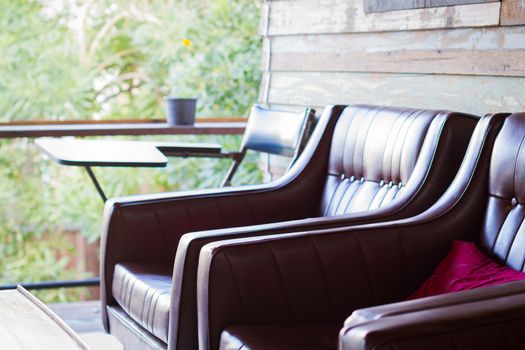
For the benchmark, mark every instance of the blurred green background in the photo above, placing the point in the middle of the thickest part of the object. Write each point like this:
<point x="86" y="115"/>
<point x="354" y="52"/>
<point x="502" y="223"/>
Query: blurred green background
<point x="66" y="59"/>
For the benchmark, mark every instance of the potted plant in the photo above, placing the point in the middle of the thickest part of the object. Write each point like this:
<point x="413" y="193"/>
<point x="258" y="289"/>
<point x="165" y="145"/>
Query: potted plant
<point x="181" y="103"/>
<point x="180" y="110"/>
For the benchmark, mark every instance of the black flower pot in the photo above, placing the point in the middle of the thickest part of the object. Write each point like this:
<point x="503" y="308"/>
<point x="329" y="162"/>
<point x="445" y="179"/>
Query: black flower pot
<point x="180" y="111"/>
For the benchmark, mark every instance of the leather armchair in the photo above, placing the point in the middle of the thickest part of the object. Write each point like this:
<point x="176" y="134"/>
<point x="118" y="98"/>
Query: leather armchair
<point x="295" y="290"/>
<point x="362" y="164"/>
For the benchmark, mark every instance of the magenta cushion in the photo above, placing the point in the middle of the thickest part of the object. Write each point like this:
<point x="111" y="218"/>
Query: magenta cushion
<point x="465" y="267"/>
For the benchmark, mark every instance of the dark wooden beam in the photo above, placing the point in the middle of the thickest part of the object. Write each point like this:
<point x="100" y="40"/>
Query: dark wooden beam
<point x="119" y="121"/>
<point x="58" y="130"/>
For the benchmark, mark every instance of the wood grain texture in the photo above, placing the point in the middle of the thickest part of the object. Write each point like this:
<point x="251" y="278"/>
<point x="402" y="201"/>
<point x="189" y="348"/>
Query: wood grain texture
<point x="25" y="325"/>
<point x="394" y="5"/>
<point x="512" y="12"/>
<point x="486" y="51"/>
<point x="347" y="16"/>
<point x="472" y="94"/>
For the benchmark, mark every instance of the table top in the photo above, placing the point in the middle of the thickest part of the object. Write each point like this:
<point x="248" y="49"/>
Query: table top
<point x="102" y="152"/>
<point x="26" y="323"/>
<point x="103" y="129"/>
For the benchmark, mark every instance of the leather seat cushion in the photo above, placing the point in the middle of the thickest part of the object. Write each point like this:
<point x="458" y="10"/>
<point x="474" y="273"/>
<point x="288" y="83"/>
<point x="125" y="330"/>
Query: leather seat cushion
<point x="143" y="291"/>
<point x="280" y="337"/>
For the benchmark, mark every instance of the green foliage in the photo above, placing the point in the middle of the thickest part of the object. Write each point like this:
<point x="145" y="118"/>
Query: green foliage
<point x="110" y="59"/>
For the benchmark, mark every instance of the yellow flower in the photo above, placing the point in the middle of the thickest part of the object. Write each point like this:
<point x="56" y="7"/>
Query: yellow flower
<point x="186" y="42"/>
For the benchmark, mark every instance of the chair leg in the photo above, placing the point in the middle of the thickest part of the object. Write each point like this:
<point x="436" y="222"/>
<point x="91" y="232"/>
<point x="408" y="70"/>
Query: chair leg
<point x="237" y="160"/>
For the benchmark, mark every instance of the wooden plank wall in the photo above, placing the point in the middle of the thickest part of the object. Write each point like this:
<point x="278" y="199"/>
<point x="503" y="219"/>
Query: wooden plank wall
<point x="466" y="57"/>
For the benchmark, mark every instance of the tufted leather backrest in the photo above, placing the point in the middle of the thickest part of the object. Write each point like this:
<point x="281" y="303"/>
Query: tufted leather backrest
<point x="503" y="229"/>
<point x="373" y="155"/>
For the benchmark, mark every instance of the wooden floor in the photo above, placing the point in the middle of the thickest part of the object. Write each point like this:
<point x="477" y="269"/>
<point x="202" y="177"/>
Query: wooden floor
<point x="85" y="319"/>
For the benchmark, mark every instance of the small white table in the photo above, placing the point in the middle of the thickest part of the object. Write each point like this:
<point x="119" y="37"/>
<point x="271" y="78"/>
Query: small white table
<point x="104" y="153"/>
<point x="26" y="323"/>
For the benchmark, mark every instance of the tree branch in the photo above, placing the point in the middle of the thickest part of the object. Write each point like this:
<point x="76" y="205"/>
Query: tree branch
<point x="95" y="44"/>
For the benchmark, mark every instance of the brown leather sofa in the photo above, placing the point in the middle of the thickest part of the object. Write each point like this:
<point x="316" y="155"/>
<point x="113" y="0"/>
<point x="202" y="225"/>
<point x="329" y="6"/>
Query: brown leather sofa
<point x="362" y="164"/>
<point x="294" y="291"/>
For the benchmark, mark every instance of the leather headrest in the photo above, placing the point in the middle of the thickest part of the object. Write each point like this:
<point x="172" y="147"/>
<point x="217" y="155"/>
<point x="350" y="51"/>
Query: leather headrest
<point x="378" y="143"/>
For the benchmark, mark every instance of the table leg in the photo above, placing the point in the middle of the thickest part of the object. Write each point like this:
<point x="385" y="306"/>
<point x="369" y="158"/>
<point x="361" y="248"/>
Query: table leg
<point x="95" y="182"/>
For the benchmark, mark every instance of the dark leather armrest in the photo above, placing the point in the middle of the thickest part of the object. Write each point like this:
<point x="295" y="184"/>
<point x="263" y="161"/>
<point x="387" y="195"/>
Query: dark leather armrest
<point x="388" y="310"/>
<point x="487" y="318"/>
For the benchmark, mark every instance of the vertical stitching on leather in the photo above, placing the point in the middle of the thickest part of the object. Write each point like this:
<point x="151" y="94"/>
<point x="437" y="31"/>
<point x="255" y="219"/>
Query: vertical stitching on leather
<point x="144" y="303"/>
<point x="397" y="192"/>
<point x="130" y="294"/>
<point x="506" y="336"/>
<point x="498" y="232"/>
<point x="386" y="148"/>
<point x="250" y="209"/>
<point x="122" y="291"/>
<point x="398" y="135"/>
<point x="366" y="138"/>
<point x="515" y="235"/>
<point x="122" y="281"/>
<point x="241" y="302"/>
<point x="404" y="143"/>
<point x="368" y="273"/>
<point x="323" y="270"/>
<point x="125" y="292"/>
<point x="351" y="119"/>
<point x="400" y="139"/>
<point x="523" y="262"/>
<point x="390" y="193"/>
<point x="515" y="166"/>
<point x="188" y="212"/>
<point x="155" y="310"/>
<point x="338" y="204"/>
<point x="373" y="197"/>
<point x="221" y="211"/>
<point x="146" y="320"/>
<point x="455" y="341"/>
<point x="332" y="197"/>
<point x="403" y="249"/>
<point x="357" y="188"/>
<point x="380" y="204"/>
<point x="150" y="304"/>
<point x="157" y="218"/>
<point x="282" y="282"/>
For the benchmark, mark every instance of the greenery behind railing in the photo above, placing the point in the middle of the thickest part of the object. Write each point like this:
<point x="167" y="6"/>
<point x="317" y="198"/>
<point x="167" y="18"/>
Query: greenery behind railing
<point x="101" y="59"/>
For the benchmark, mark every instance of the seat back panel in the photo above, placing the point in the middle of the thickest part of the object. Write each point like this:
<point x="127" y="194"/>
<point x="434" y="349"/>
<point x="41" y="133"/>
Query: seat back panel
<point x="373" y="154"/>
<point x="503" y="230"/>
<point x="274" y="131"/>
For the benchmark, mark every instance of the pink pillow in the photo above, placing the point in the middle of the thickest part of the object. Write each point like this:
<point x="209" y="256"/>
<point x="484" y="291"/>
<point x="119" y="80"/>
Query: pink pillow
<point x="465" y="267"/>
